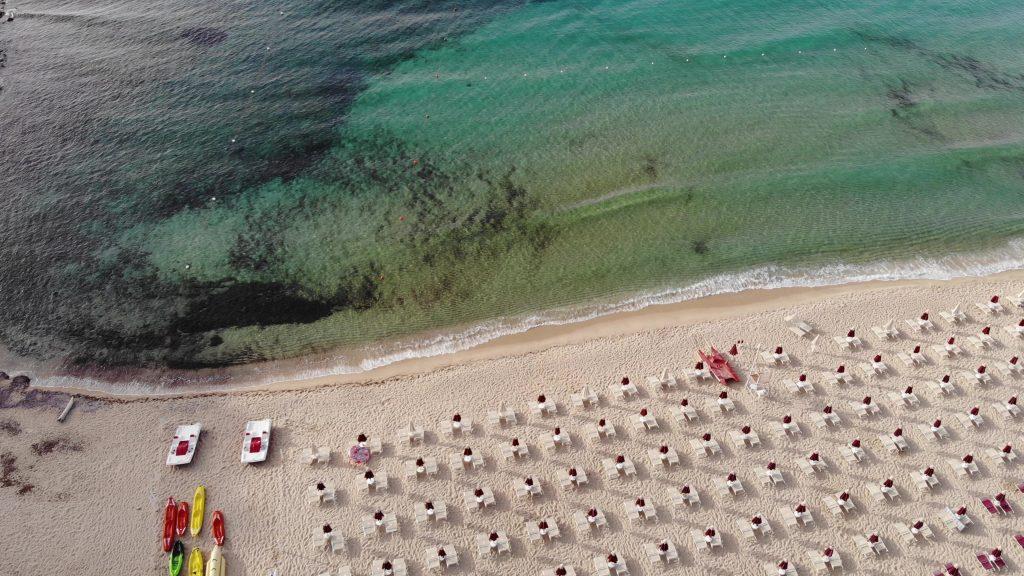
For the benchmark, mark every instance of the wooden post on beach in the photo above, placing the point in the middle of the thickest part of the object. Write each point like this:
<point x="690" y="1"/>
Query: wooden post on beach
<point x="67" y="409"/>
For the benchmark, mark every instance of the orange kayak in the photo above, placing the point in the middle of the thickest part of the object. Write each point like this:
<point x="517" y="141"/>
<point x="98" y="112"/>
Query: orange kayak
<point x="170" y="520"/>
<point x="182" y="525"/>
<point x="218" y="527"/>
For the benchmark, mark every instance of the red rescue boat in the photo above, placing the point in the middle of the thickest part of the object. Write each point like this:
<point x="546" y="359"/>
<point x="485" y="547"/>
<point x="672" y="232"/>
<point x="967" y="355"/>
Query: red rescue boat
<point x="183" y="517"/>
<point x="719" y="366"/>
<point x="170" y="519"/>
<point x="218" y="527"/>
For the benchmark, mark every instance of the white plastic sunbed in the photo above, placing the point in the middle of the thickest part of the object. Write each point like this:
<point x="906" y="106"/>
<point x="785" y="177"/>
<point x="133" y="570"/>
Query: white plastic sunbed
<point x="256" y="441"/>
<point x="953" y="316"/>
<point x="183" y="445"/>
<point x="1018" y="300"/>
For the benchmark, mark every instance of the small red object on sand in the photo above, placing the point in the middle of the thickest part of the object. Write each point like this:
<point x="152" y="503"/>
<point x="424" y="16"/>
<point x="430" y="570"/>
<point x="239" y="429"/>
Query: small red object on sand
<point x="218" y="527"/>
<point x="183" y="518"/>
<point x="170" y="519"/>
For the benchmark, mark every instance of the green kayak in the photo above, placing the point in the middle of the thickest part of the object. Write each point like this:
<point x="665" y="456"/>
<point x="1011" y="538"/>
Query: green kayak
<point x="177" y="558"/>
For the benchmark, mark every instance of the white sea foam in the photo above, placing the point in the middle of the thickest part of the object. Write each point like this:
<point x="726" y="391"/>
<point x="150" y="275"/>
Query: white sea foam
<point x="1008" y="257"/>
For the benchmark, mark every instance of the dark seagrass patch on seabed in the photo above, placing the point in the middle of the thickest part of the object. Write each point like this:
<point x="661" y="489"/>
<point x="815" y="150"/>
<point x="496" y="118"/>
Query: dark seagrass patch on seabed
<point x="203" y="36"/>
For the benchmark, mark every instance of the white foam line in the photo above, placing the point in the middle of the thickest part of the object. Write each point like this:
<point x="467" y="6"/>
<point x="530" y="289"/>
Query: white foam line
<point x="1009" y="257"/>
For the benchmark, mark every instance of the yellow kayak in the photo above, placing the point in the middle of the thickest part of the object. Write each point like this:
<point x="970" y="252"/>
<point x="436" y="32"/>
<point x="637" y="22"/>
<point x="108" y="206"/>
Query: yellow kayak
<point x="195" y="563"/>
<point x="215" y="565"/>
<point x="198" y="509"/>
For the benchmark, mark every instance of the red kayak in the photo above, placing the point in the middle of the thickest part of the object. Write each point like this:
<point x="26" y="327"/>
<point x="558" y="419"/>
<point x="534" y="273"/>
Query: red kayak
<point x="170" y="519"/>
<point x="218" y="527"/>
<point x="182" y="518"/>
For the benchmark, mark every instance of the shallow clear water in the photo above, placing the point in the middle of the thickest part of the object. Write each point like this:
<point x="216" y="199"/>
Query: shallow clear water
<point x="183" y="195"/>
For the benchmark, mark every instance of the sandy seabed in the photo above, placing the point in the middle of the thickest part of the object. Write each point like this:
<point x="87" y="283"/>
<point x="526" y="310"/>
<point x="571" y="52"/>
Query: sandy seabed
<point x="87" y="496"/>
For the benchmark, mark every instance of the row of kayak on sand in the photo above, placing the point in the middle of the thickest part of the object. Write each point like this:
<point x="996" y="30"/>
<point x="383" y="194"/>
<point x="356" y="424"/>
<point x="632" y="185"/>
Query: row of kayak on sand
<point x="214" y="565"/>
<point x="177" y="519"/>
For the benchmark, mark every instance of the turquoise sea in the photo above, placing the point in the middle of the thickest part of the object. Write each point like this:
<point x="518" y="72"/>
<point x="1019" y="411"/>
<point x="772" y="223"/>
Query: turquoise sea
<point x="195" y="186"/>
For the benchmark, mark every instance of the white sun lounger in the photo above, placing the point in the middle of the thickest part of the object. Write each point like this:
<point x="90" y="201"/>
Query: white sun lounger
<point x="919" y="325"/>
<point x="410" y="435"/>
<point x="666" y="382"/>
<point x="332" y="541"/>
<point x="680" y="499"/>
<point x="990" y="307"/>
<point x="947" y="351"/>
<point x="504" y="416"/>
<point x="440" y="511"/>
<point x="546" y="408"/>
<point x="799" y="327"/>
<point x="428" y="469"/>
<point x="797" y="386"/>
<point x="596" y="434"/>
<point x="656" y="556"/>
<point x="477" y="503"/>
<point x="744" y="440"/>
<point x="787" y="429"/>
<point x="852" y="455"/>
<point x="771" y="357"/>
<point x="684" y="414"/>
<point x="1018" y="300"/>
<point x="923" y="481"/>
<point x="566" y="481"/>
<point x="699" y="543"/>
<point x="665" y="460"/>
<point x="398" y="567"/>
<point x="601" y="567"/>
<point x="644" y="423"/>
<point x="1009" y="411"/>
<point x="792" y="519"/>
<point x="433" y="560"/>
<point x="550" y="444"/>
<point x="772" y="569"/>
<point x="388" y="525"/>
<point x="771" y="477"/>
<point x="955" y="521"/>
<point x="982" y="378"/>
<point x="937" y="434"/>
<point x="536" y="534"/>
<point x="624" y="392"/>
<point x="887" y="332"/>
<point x="645" y="513"/>
<point x="583" y="523"/>
<point x="1000" y="458"/>
<point x="315" y="455"/>
<point x="822" y="420"/>
<point x="613" y="471"/>
<point x="848" y="342"/>
<point x="585" y="398"/>
<point x="463" y="428"/>
<point x="953" y="316"/>
<point x="905" y="399"/>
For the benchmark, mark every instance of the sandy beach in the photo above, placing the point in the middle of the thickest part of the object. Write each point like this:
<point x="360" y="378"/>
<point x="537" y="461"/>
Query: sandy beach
<point x="86" y="496"/>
